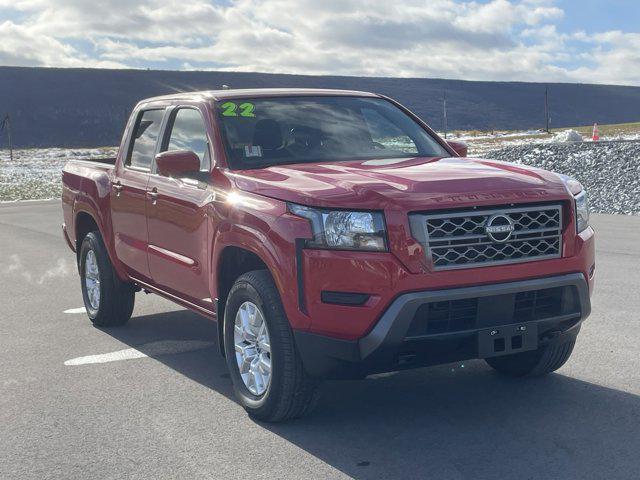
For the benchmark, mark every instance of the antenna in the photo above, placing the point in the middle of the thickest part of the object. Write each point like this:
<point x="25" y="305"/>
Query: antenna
<point x="6" y="124"/>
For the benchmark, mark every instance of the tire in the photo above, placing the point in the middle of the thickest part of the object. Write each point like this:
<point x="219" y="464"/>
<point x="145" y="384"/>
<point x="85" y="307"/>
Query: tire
<point x="289" y="393"/>
<point x="536" y="363"/>
<point x="114" y="305"/>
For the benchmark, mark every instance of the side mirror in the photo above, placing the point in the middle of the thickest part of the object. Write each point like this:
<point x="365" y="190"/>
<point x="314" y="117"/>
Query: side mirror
<point x="177" y="163"/>
<point x="460" y="147"/>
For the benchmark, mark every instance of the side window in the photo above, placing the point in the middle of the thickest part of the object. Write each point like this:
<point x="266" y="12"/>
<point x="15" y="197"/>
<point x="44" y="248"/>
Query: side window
<point x="388" y="135"/>
<point x="189" y="133"/>
<point x="145" y="137"/>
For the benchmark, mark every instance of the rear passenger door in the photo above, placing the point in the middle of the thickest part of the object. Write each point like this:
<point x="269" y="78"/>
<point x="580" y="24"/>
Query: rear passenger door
<point x="177" y="214"/>
<point x="129" y="192"/>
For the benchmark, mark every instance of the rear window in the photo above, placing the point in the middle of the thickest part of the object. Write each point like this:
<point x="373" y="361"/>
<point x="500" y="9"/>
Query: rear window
<point x="259" y="132"/>
<point x="145" y="139"/>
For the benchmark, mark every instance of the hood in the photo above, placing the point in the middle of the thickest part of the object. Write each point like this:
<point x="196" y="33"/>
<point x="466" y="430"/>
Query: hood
<point x="409" y="184"/>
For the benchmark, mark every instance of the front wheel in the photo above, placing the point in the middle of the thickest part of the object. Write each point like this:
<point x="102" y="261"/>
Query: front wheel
<point x="107" y="300"/>
<point x="266" y="370"/>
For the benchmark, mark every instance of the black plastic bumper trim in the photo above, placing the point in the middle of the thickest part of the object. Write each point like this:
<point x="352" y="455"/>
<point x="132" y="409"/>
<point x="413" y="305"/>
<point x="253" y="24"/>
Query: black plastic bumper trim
<point x="344" y="298"/>
<point x="302" y="304"/>
<point x="394" y="323"/>
<point x="325" y="356"/>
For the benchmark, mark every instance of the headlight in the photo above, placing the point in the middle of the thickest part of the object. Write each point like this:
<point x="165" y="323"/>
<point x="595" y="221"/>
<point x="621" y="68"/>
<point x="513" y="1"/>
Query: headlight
<point x="580" y="196"/>
<point x="344" y="230"/>
<point x="582" y="211"/>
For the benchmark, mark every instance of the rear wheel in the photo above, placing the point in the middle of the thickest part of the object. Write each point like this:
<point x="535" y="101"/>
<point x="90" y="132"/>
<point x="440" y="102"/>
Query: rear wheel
<point x="268" y="376"/>
<point x="546" y="359"/>
<point x="107" y="300"/>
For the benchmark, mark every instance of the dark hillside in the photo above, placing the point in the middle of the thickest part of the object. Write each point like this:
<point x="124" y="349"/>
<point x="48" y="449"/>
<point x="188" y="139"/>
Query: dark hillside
<point x="82" y="107"/>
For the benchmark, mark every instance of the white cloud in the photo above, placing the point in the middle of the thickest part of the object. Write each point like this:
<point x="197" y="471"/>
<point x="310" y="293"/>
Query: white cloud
<point x="21" y="46"/>
<point x="495" y="40"/>
<point x="611" y="57"/>
<point x="502" y="15"/>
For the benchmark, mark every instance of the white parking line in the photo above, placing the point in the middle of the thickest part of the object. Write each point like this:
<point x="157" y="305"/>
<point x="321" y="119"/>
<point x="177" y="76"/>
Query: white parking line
<point x="378" y="376"/>
<point x="76" y="310"/>
<point x="168" y="347"/>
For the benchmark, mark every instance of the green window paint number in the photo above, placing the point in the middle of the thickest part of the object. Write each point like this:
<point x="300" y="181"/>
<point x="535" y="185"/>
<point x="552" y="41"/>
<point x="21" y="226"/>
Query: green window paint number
<point x="230" y="109"/>
<point x="246" y="110"/>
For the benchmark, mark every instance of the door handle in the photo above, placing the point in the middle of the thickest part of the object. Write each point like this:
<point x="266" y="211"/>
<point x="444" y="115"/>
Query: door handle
<point x="117" y="187"/>
<point x="153" y="196"/>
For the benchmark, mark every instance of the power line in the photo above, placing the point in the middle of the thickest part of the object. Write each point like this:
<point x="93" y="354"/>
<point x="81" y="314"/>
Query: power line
<point x="6" y="124"/>
<point x="546" y="109"/>
<point x="444" y="113"/>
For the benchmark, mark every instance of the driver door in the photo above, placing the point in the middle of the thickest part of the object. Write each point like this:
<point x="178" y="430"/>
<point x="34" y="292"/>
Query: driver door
<point x="177" y="215"/>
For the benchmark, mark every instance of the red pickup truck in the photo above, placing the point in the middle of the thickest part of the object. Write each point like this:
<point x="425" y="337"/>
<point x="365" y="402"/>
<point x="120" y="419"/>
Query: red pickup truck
<point x="331" y="234"/>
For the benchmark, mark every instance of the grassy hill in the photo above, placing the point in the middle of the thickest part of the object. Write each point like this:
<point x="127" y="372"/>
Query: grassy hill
<point x="88" y="107"/>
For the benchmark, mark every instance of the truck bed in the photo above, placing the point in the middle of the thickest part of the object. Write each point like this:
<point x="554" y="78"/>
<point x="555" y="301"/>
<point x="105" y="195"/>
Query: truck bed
<point x="90" y="175"/>
<point x="104" y="160"/>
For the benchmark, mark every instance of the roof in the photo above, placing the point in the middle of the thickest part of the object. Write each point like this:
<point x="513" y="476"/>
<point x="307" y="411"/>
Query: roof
<point x="258" y="92"/>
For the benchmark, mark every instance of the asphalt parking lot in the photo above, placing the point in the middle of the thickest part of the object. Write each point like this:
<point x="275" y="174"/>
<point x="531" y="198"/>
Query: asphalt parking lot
<point x="153" y="399"/>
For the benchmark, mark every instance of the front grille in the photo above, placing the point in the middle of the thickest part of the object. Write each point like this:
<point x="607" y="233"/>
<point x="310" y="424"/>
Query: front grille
<point x="461" y="240"/>
<point x="453" y="316"/>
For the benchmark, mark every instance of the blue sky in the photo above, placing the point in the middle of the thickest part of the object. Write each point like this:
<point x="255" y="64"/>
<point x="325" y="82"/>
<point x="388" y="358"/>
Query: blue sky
<point x="599" y="15"/>
<point x="590" y="41"/>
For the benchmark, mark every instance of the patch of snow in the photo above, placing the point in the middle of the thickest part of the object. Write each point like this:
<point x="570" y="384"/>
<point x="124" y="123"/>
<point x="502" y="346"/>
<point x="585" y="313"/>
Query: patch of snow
<point x="567" y="136"/>
<point x="35" y="173"/>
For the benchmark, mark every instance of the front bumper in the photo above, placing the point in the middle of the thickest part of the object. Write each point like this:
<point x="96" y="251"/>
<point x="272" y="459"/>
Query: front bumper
<point x="442" y="326"/>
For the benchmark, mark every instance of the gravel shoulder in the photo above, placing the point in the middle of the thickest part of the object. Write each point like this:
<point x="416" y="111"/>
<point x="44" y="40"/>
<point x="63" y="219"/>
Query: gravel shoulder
<point x="610" y="171"/>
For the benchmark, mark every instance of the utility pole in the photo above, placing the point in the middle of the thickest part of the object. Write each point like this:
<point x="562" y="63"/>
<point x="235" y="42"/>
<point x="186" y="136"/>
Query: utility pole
<point x="546" y="108"/>
<point x="444" y="113"/>
<point x="6" y="123"/>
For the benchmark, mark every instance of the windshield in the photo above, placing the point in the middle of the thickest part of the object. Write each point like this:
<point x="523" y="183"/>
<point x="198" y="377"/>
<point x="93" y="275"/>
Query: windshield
<point x="260" y="132"/>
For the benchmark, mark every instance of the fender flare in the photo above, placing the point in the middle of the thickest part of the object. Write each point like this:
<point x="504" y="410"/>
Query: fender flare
<point x="252" y="240"/>
<point x="85" y="204"/>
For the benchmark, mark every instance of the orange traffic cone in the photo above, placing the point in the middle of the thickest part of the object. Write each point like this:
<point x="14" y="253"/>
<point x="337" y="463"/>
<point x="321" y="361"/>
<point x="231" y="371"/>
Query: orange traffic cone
<point x="596" y="135"/>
